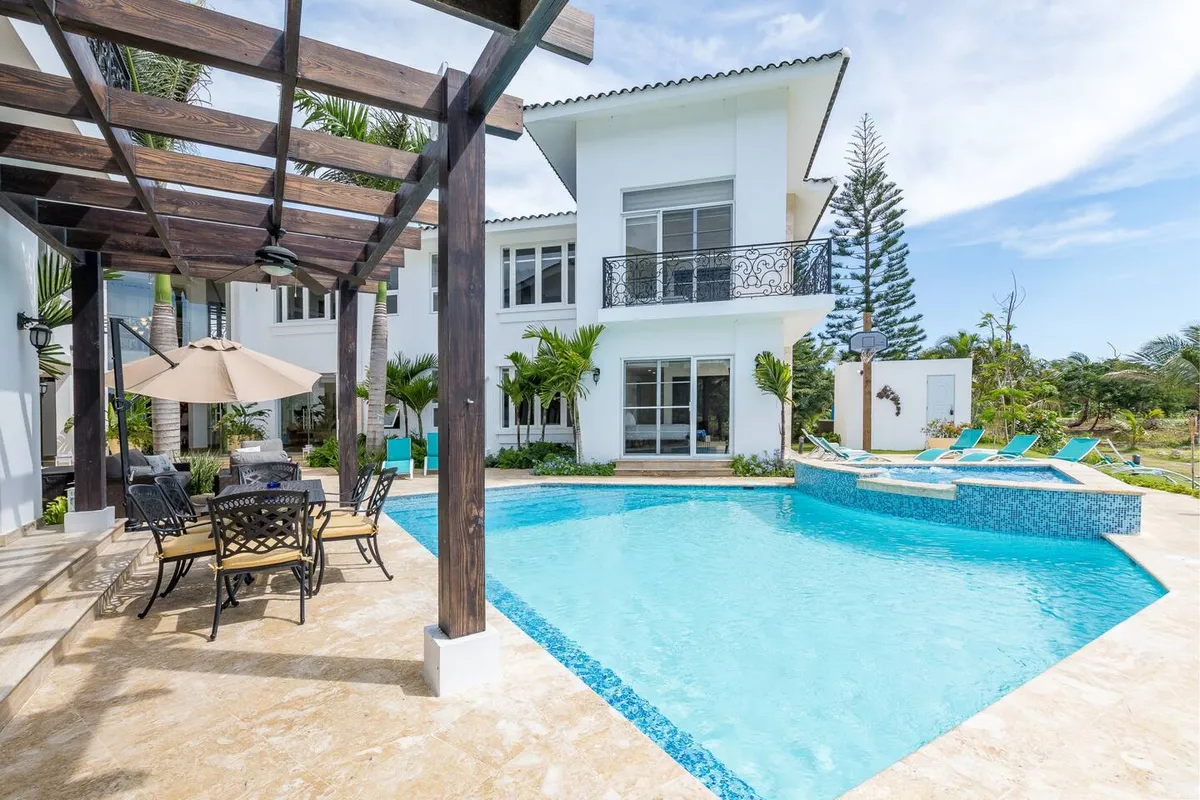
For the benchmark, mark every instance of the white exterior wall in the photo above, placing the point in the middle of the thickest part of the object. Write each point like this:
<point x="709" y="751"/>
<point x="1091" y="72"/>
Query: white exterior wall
<point x="20" y="441"/>
<point x="908" y="379"/>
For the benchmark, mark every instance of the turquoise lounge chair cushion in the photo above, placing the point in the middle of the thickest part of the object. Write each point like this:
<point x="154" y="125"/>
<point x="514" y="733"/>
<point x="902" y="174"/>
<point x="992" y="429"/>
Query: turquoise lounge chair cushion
<point x="968" y="439"/>
<point x="399" y="455"/>
<point x="1014" y="449"/>
<point x="933" y="454"/>
<point x="431" y="453"/>
<point x="1076" y="449"/>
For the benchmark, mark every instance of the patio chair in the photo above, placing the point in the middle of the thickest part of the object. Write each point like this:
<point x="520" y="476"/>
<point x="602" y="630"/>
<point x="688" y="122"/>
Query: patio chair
<point x="361" y="484"/>
<point x="363" y="527"/>
<point x="1073" y="451"/>
<point x="818" y="449"/>
<point x="1016" y="448"/>
<point x="966" y="441"/>
<point x="849" y="454"/>
<point x="431" y="453"/>
<point x="399" y="456"/>
<point x="268" y="472"/>
<point x="256" y="532"/>
<point x="1118" y="464"/>
<point x="181" y="504"/>
<point x="174" y="543"/>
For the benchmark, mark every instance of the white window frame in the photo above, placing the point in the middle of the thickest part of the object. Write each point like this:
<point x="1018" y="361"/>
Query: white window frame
<point x="691" y="405"/>
<point x="569" y="251"/>
<point x="279" y="313"/>
<point x="433" y="283"/>
<point x="538" y="411"/>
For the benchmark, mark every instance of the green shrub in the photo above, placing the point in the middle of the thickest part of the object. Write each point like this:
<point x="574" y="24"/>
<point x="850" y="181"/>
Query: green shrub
<point x="767" y="465"/>
<point x="55" y="511"/>
<point x="565" y="465"/>
<point x="205" y="465"/>
<point x="833" y="437"/>
<point x="1156" y="482"/>
<point x="528" y="456"/>
<point x="323" y="455"/>
<point x="419" y="449"/>
<point x="326" y="453"/>
<point x="1047" y="425"/>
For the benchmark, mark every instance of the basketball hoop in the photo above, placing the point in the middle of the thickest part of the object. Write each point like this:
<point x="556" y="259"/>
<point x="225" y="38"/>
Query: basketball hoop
<point x="868" y="343"/>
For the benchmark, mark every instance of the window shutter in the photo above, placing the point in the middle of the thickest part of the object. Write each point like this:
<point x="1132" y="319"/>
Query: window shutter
<point x="692" y="194"/>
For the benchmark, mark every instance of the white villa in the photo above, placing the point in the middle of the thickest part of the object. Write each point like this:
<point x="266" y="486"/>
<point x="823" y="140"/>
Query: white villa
<point x="691" y="244"/>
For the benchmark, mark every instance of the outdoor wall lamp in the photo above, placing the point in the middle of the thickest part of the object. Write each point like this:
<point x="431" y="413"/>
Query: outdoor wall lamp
<point x="39" y="334"/>
<point x="596" y="375"/>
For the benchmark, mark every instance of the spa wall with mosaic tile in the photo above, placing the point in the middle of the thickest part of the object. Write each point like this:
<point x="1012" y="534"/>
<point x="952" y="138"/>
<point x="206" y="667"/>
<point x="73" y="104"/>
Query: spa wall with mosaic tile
<point x="1015" y="509"/>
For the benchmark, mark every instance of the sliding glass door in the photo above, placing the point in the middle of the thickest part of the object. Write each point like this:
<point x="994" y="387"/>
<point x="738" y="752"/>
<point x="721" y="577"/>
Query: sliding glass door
<point x="676" y="407"/>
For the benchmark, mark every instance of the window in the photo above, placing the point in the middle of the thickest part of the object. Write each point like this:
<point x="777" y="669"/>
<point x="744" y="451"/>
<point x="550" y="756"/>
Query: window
<point x="294" y="303"/>
<point x="393" y="291"/>
<point x="534" y="276"/>
<point x="433" y="286"/>
<point x="677" y="219"/>
<point x="436" y="416"/>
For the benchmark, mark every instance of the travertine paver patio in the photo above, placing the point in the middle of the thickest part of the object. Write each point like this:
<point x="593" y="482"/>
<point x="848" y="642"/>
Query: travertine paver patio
<point x="337" y="708"/>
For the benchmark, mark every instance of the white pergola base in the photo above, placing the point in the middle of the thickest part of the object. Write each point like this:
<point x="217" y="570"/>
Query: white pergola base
<point x="453" y="665"/>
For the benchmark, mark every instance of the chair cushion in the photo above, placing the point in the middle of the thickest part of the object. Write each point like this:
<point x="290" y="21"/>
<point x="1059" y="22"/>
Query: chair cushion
<point x="238" y="458"/>
<point x="364" y="528"/>
<point x="202" y="526"/>
<point x="190" y="544"/>
<point x="345" y="520"/>
<point x="283" y="555"/>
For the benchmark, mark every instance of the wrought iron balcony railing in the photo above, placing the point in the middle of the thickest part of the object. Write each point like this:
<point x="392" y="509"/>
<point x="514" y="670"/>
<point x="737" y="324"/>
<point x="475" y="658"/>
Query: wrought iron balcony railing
<point x="112" y="65"/>
<point x="783" y="269"/>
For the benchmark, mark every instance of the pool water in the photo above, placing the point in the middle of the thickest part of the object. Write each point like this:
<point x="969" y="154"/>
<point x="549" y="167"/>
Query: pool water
<point x="948" y="474"/>
<point x="778" y="646"/>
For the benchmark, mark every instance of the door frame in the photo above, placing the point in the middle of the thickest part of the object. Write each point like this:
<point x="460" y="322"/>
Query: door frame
<point x="953" y="393"/>
<point x="691" y="408"/>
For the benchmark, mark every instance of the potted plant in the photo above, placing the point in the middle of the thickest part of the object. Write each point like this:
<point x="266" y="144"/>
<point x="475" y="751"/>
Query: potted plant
<point x="941" y="433"/>
<point x="239" y="423"/>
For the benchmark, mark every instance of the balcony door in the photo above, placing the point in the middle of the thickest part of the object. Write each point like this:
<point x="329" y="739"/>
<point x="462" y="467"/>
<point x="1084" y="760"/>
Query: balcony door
<point x="674" y="242"/>
<point x="677" y="407"/>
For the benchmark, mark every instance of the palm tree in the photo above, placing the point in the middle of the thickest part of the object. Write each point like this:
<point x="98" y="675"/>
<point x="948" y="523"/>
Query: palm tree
<point x="377" y="370"/>
<point x="421" y="392"/>
<point x="514" y="390"/>
<point x="568" y="365"/>
<point x="773" y="376"/>
<point x="401" y="371"/>
<point x="527" y="373"/>
<point x="184" y="82"/>
<point x="350" y="120"/>
<point x="1174" y="361"/>
<point x="963" y="344"/>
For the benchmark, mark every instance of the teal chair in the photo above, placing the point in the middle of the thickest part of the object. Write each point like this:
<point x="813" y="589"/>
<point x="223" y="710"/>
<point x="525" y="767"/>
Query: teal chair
<point x="966" y="440"/>
<point x="849" y="454"/>
<point x="431" y="453"/>
<point x="1075" y="450"/>
<point x="399" y="456"/>
<point x="1018" y="447"/>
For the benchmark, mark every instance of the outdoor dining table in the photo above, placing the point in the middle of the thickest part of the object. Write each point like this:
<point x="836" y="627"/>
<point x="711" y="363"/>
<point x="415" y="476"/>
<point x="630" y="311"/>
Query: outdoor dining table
<point x="316" y="492"/>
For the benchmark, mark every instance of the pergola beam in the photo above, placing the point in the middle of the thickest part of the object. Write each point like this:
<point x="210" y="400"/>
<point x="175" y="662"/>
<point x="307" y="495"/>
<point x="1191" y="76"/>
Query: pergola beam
<point x="409" y="201"/>
<point x="570" y="35"/>
<point x="287" y="99"/>
<point x="106" y="193"/>
<point x="226" y="42"/>
<point x="87" y="153"/>
<point x="81" y="64"/>
<point x="31" y="90"/>
<point x="506" y="52"/>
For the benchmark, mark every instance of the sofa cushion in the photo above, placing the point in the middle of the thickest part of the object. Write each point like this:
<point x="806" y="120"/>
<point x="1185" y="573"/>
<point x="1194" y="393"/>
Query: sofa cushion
<point x="238" y="458"/>
<point x="136" y="459"/>
<point x="265" y="445"/>
<point x="160" y="465"/>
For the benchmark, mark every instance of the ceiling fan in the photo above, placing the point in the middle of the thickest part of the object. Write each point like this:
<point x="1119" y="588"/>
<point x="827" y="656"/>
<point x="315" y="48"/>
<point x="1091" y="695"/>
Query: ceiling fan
<point x="277" y="261"/>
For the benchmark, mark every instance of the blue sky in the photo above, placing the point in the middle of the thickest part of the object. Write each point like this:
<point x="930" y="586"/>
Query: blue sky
<point x="1058" y="141"/>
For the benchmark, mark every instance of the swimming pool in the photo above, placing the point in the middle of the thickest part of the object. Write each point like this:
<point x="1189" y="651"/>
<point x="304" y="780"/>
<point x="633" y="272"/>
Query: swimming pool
<point x="780" y="646"/>
<point x="940" y="473"/>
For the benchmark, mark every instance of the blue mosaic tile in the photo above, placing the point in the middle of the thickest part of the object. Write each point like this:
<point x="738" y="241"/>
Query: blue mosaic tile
<point x="995" y="508"/>
<point x="675" y="742"/>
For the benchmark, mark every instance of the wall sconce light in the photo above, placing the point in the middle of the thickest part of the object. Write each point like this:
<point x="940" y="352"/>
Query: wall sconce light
<point x="39" y="334"/>
<point x="596" y="375"/>
<point x="44" y="385"/>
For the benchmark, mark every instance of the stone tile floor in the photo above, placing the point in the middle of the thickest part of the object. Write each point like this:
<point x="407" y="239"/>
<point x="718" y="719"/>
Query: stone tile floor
<point x="337" y="708"/>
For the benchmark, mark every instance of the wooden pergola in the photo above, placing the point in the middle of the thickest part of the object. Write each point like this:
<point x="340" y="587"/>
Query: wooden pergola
<point x="139" y="224"/>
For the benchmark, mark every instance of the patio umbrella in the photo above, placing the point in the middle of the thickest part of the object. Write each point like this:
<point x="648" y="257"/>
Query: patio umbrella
<point x="215" y="371"/>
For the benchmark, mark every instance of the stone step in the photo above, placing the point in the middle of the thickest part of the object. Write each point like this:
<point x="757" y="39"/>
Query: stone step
<point x="678" y="468"/>
<point x="38" y="638"/>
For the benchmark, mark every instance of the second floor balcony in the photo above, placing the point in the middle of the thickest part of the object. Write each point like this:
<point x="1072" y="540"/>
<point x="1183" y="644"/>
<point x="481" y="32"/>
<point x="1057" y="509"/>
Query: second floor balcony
<point x="781" y="269"/>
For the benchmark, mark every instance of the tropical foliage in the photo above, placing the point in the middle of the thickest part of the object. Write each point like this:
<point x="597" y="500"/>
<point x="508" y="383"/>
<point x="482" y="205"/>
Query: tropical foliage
<point x="871" y="278"/>
<point x="565" y="465"/>
<point x="55" y="511"/>
<point x="773" y="376"/>
<point x="54" y="307"/>
<point x="565" y="365"/>
<point x="767" y="465"/>
<point x="812" y="382"/>
<point x="412" y="383"/>
<point x="205" y="466"/>
<point x="243" y="421"/>
<point x="529" y="456"/>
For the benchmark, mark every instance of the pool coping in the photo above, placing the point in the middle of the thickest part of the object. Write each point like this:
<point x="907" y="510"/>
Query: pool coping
<point x="1084" y="722"/>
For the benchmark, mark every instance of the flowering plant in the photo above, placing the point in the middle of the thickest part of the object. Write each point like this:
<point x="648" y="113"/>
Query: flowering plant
<point x="942" y="429"/>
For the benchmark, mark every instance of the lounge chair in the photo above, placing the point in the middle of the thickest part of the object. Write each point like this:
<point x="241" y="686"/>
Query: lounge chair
<point x="1119" y="464"/>
<point x="1016" y="448"/>
<point x="399" y="456"/>
<point x="1073" y="451"/>
<point x="966" y="441"/>
<point x="431" y="454"/>
<point x="840" y="453"/>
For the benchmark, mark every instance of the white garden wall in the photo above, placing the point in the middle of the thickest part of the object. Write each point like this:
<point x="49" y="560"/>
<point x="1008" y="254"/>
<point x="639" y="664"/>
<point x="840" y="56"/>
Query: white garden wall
<point x="911" y="381"/>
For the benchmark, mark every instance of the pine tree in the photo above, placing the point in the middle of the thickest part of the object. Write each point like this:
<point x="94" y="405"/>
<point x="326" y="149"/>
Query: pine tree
<point x="870" y="265"/>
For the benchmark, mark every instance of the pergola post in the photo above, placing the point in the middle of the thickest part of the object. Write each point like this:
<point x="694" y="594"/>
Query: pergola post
<point x="347" y="384"/>
<point x="87" y="372"/>
<point x="459" y="652"/>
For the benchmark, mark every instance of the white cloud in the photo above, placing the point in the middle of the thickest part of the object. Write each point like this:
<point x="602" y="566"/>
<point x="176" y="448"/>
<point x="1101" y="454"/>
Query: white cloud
<point x="789" y="30"/>
<point x="1088" y="226"/>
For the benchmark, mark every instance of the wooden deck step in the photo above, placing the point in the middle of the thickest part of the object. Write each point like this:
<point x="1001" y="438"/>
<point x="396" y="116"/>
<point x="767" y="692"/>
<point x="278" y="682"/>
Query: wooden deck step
<point x="49" y="605"/>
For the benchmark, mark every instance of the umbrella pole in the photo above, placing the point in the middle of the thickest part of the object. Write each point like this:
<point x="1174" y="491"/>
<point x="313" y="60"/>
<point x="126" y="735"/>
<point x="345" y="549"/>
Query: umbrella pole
<point x="118" y="400"/>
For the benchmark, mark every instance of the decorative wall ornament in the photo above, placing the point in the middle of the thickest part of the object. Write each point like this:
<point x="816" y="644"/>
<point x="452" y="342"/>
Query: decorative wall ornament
<point x="888" y="393"/>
